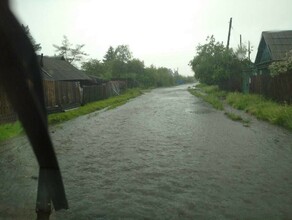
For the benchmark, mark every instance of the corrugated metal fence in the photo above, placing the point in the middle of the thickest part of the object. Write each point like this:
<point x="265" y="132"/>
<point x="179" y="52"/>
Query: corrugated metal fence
<point x="278" y="88"/>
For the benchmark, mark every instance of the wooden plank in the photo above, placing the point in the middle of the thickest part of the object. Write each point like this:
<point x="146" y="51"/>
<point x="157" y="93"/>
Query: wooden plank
<point x="7" y="114"/>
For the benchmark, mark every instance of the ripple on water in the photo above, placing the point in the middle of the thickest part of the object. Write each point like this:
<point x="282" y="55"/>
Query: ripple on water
<point x="161" y="156"/>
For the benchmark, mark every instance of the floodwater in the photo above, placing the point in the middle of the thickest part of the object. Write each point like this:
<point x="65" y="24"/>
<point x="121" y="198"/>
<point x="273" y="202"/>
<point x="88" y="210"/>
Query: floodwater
<point x="163" y="155"/>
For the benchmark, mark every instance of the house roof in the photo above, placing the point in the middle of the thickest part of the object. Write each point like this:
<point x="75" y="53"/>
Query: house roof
<point x="55" y="68"/>
<point x="278" y="44"/>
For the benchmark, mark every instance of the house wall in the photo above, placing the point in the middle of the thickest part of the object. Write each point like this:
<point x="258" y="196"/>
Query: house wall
<point x="265" y="55"/>
<point x="61" y="95"/>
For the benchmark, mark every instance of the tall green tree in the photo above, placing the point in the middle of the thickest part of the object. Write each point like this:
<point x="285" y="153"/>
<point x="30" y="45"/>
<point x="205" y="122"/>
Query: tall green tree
<point x="37" y="47"/>
<point x="123" y="53"/>
<point x="135" y="68"/>
<point x="116" y="61"/>
<point x="110" y="55"/>
<point x="164" y="77"/>
<point x="95" y="68"/>
<point x="71" y="54"/>
<point x="118" y="69"/>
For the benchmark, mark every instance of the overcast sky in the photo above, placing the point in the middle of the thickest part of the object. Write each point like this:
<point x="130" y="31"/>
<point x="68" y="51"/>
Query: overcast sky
<point x="160" y="32"/>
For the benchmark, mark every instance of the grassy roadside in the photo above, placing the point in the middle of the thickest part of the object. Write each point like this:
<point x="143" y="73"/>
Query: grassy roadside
<point x="10" y="130"/>
<point x="13" y="129"/>
<point x="235" y="117"/>
<point x="262" y="108"/>
<point x="256" y="105"/>
<point x="210" y="94"/>
<point x="210" y="98"/>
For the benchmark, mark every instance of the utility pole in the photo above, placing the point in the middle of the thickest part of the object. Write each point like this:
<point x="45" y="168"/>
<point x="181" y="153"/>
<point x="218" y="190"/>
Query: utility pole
<point x="229" y="30"/>
<point x="240" y="42"/>
<point x="249" y="50"/>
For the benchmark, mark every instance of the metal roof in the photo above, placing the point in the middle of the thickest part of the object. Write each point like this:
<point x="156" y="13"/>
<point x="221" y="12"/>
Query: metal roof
<point x="278" y="43"/>
<point x="55" y="68"/>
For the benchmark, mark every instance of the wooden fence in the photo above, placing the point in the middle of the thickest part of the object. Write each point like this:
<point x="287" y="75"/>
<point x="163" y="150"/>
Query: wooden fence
<point x="62" y="95"/>
<point x="103" y="91"/>
<point x="7" y="114"/>
<point x="278" y="88"/>
<point x="93" y="93"/>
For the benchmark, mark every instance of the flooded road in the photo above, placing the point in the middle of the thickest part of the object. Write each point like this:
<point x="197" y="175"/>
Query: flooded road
<point x="163" y="155"/>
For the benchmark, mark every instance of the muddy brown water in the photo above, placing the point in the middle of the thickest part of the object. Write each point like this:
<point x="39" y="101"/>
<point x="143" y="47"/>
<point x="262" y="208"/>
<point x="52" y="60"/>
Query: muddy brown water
<point x="163" y="155"/>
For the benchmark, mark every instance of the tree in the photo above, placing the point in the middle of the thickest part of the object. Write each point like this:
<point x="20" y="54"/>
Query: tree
<point x="164" y="77"/>
<point x="118" y="69"/>
<point x="135" y="67"/>
<point x="94" y="67"/>
<point x="149" y="77"/>
<point x="282" y="67"/>
<point x="123" y="53"/>
<point x="214" y="64"/>
<point x="36" y="47"/>
<point x="70" y="54"/>
<point x="110" y="55"/>
<point x="116" y="61"/>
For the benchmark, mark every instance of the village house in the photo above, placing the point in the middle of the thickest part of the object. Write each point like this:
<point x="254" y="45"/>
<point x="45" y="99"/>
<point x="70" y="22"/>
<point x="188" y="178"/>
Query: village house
<point x="62" y="83"/>
<point x="65" y="87"/>
<point x="273" y="46"/>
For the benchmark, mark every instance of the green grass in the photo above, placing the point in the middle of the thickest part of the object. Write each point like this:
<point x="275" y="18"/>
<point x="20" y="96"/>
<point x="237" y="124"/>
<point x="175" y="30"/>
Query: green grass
<point x="262" y="108"/>
<point x="212" y="90"/>
<point x="109" y="103"/>
<point x="235" y="117"/>
<point x="13" y="129"/>
<point x="10" y="130"/>
<point x="210" y="98"/>
<point x="256" y="105"/>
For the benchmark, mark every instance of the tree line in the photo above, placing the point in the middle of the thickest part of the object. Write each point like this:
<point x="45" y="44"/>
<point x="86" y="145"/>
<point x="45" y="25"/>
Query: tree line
<point x="117" y="63"/>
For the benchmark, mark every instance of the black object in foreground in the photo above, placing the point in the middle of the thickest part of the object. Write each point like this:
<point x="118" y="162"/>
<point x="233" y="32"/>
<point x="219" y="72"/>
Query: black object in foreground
<point x="20" y="75"/>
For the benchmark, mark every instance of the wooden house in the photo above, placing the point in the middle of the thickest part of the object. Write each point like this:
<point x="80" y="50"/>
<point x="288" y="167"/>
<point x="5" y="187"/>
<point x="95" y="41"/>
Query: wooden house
<point x="62" y="83"/>
<point x="273" y="47"/>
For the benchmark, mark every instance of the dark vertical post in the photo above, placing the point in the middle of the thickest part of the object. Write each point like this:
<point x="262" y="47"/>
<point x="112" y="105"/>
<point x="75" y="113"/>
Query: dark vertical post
<point x="229" y="31"/>
<point x="249" y="52"/>
<point x="42" y="61"/>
